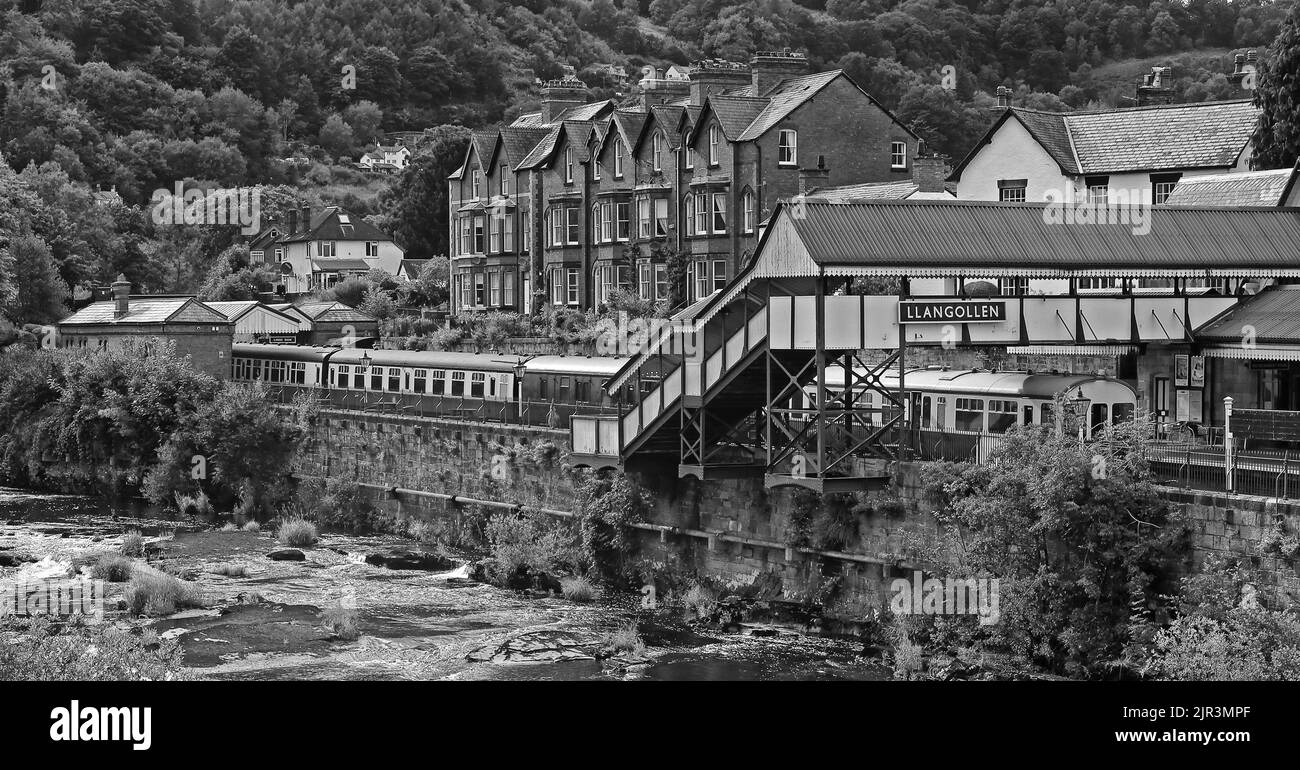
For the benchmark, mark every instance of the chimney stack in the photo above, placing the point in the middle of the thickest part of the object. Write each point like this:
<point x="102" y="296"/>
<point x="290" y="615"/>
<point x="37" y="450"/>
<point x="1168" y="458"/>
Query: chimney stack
<point x="1004" y="97"/>
<point x="121" y="296"/>
<point x="814" y="178"/>
<point x="304" y="219"/>
<point x="771" y="67"/>
<point x="560" y="95"/>
<point x="293" y="223"/>
<point x="713" y="75"/>
<point x="655" y="89"/>
<point x="929" y="171"/>
<point x="1155" y="88"/>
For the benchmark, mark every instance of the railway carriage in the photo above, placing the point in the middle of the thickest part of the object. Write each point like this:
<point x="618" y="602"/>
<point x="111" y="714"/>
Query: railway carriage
<point x="973" y="401"/>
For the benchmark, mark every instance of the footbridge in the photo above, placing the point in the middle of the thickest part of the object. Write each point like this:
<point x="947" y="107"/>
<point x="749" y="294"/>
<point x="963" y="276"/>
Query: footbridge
<point x="735" y="383"/>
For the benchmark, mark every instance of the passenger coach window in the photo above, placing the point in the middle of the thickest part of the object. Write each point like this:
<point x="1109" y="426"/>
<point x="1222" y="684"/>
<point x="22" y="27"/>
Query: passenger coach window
<point x="581" y="390"/>
<point x="298" y="372"/>
<point x="970" y="414"/>
<point x="377" y="378"/>
<point x="394" y="379"/>
<point x="1100" y="416"/>
<point x="1002" y="415"/>
<point x="359" y="378"/>
<point x="542" y="383"/>
<point x="458" y="383"/>
<point x="476" y="380"/>
<point x="1121" y="413"/>
<point x="438" y="383"/>
<point x="342" y="373"/>
<point x="421" y="380"/>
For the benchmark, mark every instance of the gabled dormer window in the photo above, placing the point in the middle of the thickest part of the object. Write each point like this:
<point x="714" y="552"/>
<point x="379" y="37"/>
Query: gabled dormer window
<point x="657" y="152"/>
<point x="504" y="183"/>
<point x="618" y="158"/>
<point x="714" y="137"/>
<point x="688" y="153"/>
<point x="568" y="164"/>
<point x="477" y="185"/>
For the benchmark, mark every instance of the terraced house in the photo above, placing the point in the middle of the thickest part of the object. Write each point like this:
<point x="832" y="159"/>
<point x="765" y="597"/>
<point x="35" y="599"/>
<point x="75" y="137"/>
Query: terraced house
<point x="664" y="195"/>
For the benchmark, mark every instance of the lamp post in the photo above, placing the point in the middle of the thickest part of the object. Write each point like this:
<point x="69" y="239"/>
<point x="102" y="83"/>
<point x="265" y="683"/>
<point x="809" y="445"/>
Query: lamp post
<point x="1080" y="405"/>
<point x="365" y="367"/>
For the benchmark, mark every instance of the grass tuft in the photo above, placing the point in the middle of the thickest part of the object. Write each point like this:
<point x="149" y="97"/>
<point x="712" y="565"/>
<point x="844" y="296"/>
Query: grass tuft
<point x="157" y="594"/>
<point x="341" y="622"/>
<point x="577" y="589"/>
<point x="230" y="570"/>
<point x="298" y="533"/>
<point x="252" y="526"/>
<point x="112" y="567"/>
<point x="626" y="640"/>
<point x="133" y="543"/>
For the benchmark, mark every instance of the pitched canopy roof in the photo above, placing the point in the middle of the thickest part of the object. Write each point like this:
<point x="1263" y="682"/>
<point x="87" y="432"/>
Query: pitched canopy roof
<point x="922" y="237"/>
<point x="1274" y="313"/>
<point x="146" y="310"/>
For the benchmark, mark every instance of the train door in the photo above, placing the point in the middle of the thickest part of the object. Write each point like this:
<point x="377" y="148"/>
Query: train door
<point x="1027" y="413"/>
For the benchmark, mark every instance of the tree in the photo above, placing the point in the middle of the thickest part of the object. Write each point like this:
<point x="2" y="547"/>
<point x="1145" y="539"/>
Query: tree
<point x="337" y="138"/>
<point x="1277" y="94"/>
<point x="364" y="118"/>
<point x="415" y="205"/>
<point x="40" y="292"/>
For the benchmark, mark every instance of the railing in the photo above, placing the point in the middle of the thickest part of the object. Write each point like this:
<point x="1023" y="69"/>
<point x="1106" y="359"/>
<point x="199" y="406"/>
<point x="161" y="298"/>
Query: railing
<point x="1262" y="472"/>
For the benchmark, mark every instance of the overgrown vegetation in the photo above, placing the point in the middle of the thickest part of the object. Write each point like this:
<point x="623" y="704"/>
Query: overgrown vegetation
<point x="139" y="419"/>
<point x="1077" y="536"/>
<point x="298" y="533"/>
<point x="341" y="622"/>
<point x="112" y="568"/>
<point x="39" y="650"/>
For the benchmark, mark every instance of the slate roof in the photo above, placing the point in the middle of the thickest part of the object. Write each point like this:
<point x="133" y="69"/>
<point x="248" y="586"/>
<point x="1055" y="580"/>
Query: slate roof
<point x="485" y="143"/>
<point x="785" y="97"/>
<point x="735" y="113"/>
<point x="326" y="226"/>
<point x="235" y="310"/>
<point x="1163" y="136"/>
<point x="146" y="310"/>
<point x="332" y="312"/>
<point x="979" y="234"/>
<point x="1251" y="188"/>
<point x="518" y="141"/>
<point x="669" y="118"/>
<point x="1274" y="312"/>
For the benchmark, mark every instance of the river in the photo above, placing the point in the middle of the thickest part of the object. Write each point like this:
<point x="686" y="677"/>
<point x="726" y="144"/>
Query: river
<point x="414" y="625"/>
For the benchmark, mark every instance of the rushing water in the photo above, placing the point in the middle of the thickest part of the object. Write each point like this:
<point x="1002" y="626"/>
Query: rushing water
<point x="414" y="624"/>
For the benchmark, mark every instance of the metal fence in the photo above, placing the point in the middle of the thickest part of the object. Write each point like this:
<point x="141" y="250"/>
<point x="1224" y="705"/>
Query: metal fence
<point x="1262" y="472"/>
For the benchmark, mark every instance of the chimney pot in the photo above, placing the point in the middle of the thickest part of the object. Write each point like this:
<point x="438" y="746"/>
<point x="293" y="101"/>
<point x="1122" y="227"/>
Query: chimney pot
<point x="121" y="296"/>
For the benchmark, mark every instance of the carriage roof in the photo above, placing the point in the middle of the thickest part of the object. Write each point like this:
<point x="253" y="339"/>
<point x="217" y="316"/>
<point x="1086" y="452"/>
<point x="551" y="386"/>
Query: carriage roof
<point x="981" y="382"/>
<point x="424" y="359"/>
<point x="313" y="353"/>
<point x="606" y="366"/>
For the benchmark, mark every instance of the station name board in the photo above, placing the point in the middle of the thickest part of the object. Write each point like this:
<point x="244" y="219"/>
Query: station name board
<point x="951" y="311"/>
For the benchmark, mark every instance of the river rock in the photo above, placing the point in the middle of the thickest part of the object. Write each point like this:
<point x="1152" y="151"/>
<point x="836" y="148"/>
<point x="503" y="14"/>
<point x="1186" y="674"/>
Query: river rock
<point x="286" y="554"/>
<point x="13" y="559"/>
<point x="404" y="559"/>
<point x="539" y="647"/>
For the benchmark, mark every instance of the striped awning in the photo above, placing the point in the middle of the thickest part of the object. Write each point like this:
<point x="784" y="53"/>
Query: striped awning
<point x="1072" y="350"/>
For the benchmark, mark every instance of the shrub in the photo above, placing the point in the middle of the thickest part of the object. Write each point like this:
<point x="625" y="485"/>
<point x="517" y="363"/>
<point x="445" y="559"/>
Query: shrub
<point x="230" y="527"/>
<point x="577" y="589"/>
<point x="133" y="543"/>
<point x="341" y="622"/>
<point x="196" y="504"/>
<point x="528" y="545"/>
<point x="625" y="639"/>
<point x="908" y="659"/>
<point x="112" y="567"/>
<point x="699" y="601"/>
<point x="252" y="526"/>
<point x="298" y="533"/>
<point x="45" y="652"/>
<point x="230" y="570"/>
<point x="606" y="506"/>
<point x="155" y="594"/>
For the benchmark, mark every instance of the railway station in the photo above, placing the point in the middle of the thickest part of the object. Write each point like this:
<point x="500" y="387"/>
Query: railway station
<point x="801" y="368"/>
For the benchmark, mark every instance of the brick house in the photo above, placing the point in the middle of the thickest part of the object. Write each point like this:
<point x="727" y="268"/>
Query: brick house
<point x="200" y="332"/>
<point x="690" y="166"/>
